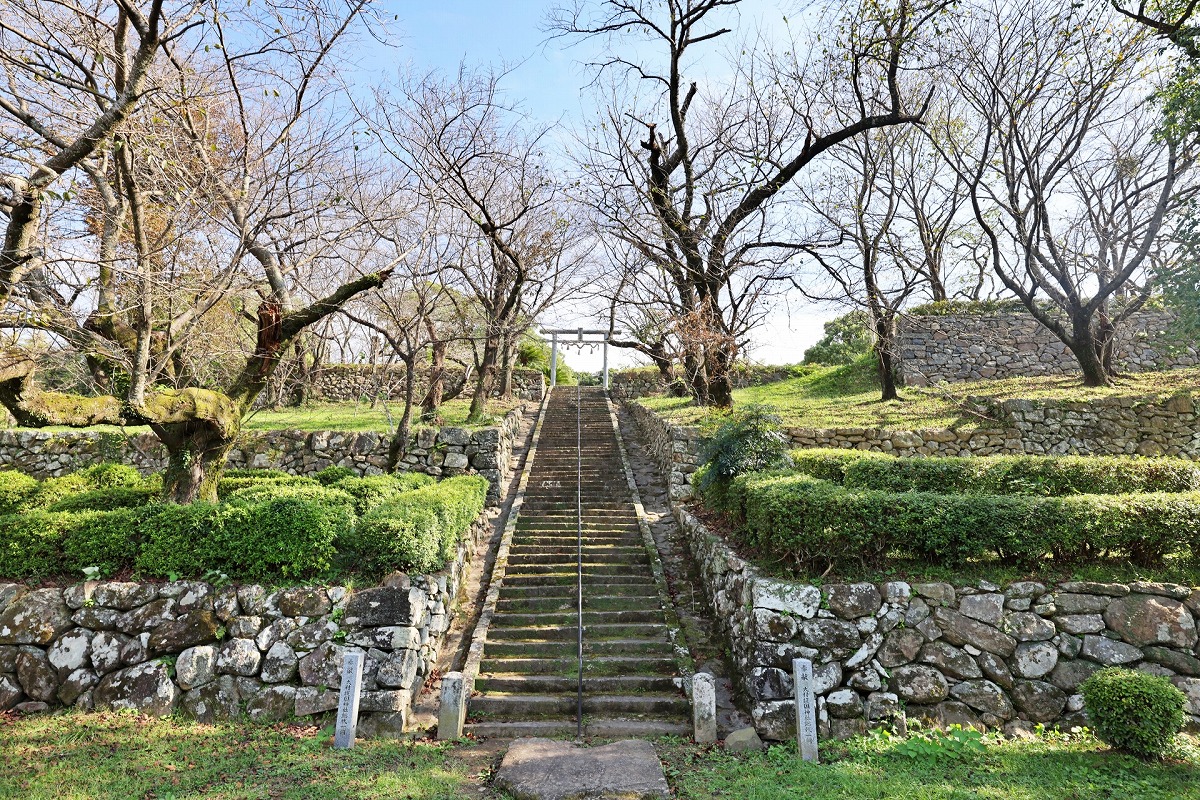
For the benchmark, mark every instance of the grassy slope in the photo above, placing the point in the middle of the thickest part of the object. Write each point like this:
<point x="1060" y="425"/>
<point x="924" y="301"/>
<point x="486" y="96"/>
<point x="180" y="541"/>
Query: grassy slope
<point x="350" y="417"/>
<point x="122" y="755"/>
<point x="848" y="397"/>
<point x="1074" y="768"/>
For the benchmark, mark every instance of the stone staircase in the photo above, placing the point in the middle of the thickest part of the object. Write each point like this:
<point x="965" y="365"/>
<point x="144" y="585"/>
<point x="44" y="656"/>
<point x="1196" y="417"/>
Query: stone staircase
<point x="528" y="676"/>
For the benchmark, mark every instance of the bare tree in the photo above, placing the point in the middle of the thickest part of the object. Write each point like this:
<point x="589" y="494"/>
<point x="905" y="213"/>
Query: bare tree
<point x="696" y="178"/>
<point x="240" y="114"/>
<point x="484" y="162"/>
<point x="1068" y="180"/>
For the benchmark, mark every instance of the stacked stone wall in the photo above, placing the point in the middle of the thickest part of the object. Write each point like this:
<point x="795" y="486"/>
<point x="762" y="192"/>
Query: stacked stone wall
<point x="629" y="384"/>
<point x="981" y="655"/>
<point x="214" y="652"/>
<point x="354" y="382"/>
<point x="443" y="452"/>
<point x="966" y="347"/>
<point x="1107" y="426"/>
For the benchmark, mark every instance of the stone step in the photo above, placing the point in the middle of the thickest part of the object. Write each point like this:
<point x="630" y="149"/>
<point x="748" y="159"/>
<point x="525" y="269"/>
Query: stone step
<point x="598" y="632"/>
<point x="602" y="727"/>
<point x="515" y="683"/>
<point x="592" y="665"/>
<point x="566" y="618"/>
<point x="523" y="706"/>
<point x="590" y="549"/>
<point x="591" y="567"/>
<point x="570" y="579"/>
<point x="566" y="603"/>
<point x="613" y="591"/>
<point x="566" y="648"/>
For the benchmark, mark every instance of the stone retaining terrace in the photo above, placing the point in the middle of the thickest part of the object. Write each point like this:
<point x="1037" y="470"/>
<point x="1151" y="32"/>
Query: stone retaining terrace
<point x="997" y="657"/>
<point x="214" y="652"/>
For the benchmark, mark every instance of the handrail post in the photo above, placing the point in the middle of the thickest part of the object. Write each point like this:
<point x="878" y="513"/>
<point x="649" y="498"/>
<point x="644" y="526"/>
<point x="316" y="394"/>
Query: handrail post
<point x="579" y="548"/>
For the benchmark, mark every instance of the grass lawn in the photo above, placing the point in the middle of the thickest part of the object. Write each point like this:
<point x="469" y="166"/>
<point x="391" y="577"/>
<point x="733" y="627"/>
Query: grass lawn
<point x="122" y="755"/>
<point x="848" y="397"/>
<point x="119" y="756"/>
<point x="350" y="417"/>
<point x="1050" y="768"/>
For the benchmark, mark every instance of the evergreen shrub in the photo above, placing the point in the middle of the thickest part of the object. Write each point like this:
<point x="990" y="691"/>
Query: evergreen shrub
<point x="1133" y="711"/>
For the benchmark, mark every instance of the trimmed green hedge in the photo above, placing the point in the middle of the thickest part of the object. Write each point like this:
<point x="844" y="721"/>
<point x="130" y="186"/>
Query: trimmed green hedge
<point x="1132" y="711"/>
<point x="271" y="525"/>
<point x="810" y="523"/>
<point x="373" y="490"/>
<point x="1046" y="476"/>
<point x="420" y="530"/>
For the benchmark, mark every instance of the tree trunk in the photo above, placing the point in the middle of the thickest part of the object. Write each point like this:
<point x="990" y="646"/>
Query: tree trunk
<point x="720" y="385"/>
<point x="437" y="379"/>
<point x="485" y="380"/>
<point x="885" y="357"/>
<point x="196" y="453"/>
<point x="399" y="446"/>
<point x="508" y="361"/>
<point x="1084" y="346"/>
<point x="697" y="381"/>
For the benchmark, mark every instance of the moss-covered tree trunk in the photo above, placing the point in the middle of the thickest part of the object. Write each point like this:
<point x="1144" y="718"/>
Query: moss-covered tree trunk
<point x="196" y="456"/>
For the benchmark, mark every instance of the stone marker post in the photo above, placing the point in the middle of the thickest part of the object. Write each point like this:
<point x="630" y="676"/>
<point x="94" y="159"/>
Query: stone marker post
<point x="704" y="707"/>
<point x="806" y="709"/>
<point x="452" y="710"/>
<point x="347" y="716"/>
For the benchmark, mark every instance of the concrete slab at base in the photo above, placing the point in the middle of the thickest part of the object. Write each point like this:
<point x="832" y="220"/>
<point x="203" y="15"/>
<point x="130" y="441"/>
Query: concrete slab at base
<point x="545" y="769"/>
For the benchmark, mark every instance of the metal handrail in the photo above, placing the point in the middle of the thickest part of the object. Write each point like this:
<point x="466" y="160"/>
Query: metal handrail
<point x="579" y="549"/>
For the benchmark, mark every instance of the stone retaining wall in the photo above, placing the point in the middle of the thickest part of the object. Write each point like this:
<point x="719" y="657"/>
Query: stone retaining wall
<point x="214" y="652"/>
<point x="965" y="347"/>
<point x="628" y="384"/>
<point x="445" y="452"/>
<point x="983" y="655"/>
<point x="1107" y="426"/>
<point x="351" y="382"/>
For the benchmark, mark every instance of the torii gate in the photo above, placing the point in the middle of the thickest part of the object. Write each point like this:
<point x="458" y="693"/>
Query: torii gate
<point x="579" y="342"/>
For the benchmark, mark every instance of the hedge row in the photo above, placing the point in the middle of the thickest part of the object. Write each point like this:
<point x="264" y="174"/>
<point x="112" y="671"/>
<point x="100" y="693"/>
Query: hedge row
<point x="1045" y="476"/>
<point x="267" y="525"/>
<point x="809" y="523"/>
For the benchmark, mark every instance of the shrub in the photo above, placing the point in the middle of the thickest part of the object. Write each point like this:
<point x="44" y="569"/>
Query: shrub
<point x="1047" y="476"/>
<point x="809" y="523"/>
<point x="105" y="539"/>
<point x="51" y="490"/>
<point x="418" y="531"/>
<point x="324" y="495"/>
<point x="749" y="441"/>
<point x="1133" y="711"/>
<point x="228" y="484"/>
<point x="373" y="490"/>
<point x="106" y="499"/>
<point x="16" y="488"/>
<point x="260" y="473"/>
<point x="290" y="534"/>
<point x="107" y="475"/>
<point x="181" y="540"/>
<point x="31" y="544"/>
<point x="331" y="475"/>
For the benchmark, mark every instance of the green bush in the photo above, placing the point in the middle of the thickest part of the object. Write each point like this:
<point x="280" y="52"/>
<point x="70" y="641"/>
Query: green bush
<point x="1046" y="476"/>
<point x="105" y="539"/>
<point x="751" y="440"/>
<point x="106" y="499"/>
<point x="51" y="490"/>
<point x="290" y="534"/>
<point x="180" y="540"/>
<point x="331" y="475"/>
<point x="1133" y="711"/>
<point x="261" y="473"/>
<point x="809" y="523"/>
<point x="31" y="544"/>
<point x="418" y="531"/>
<point x="16" y="488"/>
<point x="373" y="490"/>
<point x="108" y="475"/>
<point x="324" y="495"/>
<point x="228" y="484"/>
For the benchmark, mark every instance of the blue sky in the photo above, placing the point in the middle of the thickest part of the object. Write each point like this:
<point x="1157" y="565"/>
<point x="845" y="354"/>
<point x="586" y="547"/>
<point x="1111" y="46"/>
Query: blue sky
<point x="549" y="81"/>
